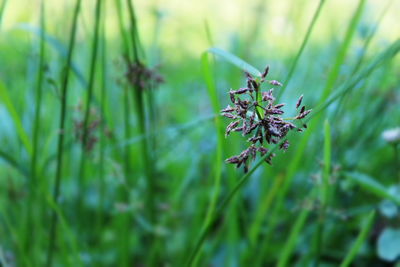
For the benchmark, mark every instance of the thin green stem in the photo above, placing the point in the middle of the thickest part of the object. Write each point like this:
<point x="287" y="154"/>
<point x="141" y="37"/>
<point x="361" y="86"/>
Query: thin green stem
<point x="60" y="143"/>
<point x="86" y="131"/>
<point x="303" y="45"/>
<point x="30" y="236"/>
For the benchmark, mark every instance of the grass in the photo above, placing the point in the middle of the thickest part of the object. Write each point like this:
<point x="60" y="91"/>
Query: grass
<point x="153" y="189"/>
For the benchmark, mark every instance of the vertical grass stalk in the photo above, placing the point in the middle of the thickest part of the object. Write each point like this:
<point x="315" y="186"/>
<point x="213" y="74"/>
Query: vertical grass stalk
<point x="300" y="52"/>
<point x="30" y="224"/>
<point x="85" y="136"/>
<point x="61" y="129"/>
<point x="361" y="238"/>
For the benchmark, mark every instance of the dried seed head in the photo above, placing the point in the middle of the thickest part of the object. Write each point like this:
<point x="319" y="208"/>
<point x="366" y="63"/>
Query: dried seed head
<point x="261" y="117"/>
<point x="279" y="105"/>
<point x="228" y="109"/>
<point x="275" y="83"/>
<point x="303" y="114"/>
<point x="230" y="127"/>
<point x="234" y="160"/>
<point x="285" y="145"/>
<point x="241" y="91"/>
<point x="229" y="115"/>
<point x="299" y="101"/>
<point x="265" y="73"/>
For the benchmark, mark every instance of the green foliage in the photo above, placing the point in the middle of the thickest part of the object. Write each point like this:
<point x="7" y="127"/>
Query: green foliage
<point x="106" y="163"/>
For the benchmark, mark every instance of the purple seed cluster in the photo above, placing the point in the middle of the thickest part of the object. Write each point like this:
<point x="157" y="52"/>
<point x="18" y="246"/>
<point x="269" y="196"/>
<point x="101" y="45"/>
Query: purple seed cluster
<point x="255" y="114"/>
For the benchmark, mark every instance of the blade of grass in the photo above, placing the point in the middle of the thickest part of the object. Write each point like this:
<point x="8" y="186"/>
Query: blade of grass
<point x="89" y="97"/>
<point x="60" y="143"/>
<point x="293" y="236"/>
<point x="213" y="95"/>
<point x="14" y="163"/>
<point x="15" y="237"/>
<point x="30" y="224"/>
<point x="238" y="62"/>
<point x="73" y="254"/>
<point x="372" y="186"/>
<point x="361" y="238"/>
<point x="341" y="56"/>
<point x="23" y="136"/>
<point x="324" y="194"/>
<point x="302" y="46"/>
<point x="59" y="47"/>
<point x="261" y="214"/>
<point x="102" y="141"/>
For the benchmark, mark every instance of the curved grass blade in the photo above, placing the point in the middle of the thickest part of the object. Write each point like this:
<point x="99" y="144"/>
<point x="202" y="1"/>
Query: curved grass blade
<point x="372" y="186"/>
<point x="13" y="163"/>
<point x="351" y="30"/>
<point x="293" y="237"/>
<point x="238" y="62"/>
<point x="58" y="46"/>
<point x="23" y="136"/>
<point x="212" y="91"/>
<point x="361" y="238"/>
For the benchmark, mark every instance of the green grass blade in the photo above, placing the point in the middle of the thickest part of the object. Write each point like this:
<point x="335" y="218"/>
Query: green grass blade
<point x="238" y="62"/>
<point x="14" y="163"/>
<point x="341" y="56"/>
<point x="372" y="186"/>
<point x="261" y="214"/>
<point x="327" y="164"/>
<point x="303" y="45"/>
<point x="33" y="184"/>
<point x="361" y="238"/>
<point x="88" y="104"/>
<point x="293" y="237"/>
<point x="212" y="92"/>
<point x="59" y="47"/>
<point x="324" y="194"/>
<point x="60" y="142"/>
<point x="23" y="136"/>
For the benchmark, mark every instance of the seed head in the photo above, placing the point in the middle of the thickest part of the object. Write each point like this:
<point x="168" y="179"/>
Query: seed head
<point x="260" y="119"/>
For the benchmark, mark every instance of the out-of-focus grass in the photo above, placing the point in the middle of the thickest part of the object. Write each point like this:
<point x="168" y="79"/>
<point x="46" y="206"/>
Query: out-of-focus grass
<point x="155" y="181"/>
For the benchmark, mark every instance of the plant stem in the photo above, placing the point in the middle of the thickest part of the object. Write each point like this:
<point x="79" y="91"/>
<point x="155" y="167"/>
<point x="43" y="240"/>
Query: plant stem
<point x="30" y="235"/>
<point x="303" y="45"/>
<point x="60" y="143"/>
<point x="92" y="71"/>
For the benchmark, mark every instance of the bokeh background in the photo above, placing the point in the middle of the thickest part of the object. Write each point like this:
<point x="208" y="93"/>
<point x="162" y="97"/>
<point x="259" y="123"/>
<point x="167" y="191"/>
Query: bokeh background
<point x="154" y="176"/>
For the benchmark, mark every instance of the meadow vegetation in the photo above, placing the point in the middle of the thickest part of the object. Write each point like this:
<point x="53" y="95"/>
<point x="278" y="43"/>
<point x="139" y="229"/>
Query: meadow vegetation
<point x="146" y="133"/>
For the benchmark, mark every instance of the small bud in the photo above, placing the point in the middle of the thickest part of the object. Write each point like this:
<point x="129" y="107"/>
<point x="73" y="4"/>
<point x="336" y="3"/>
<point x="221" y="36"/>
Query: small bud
<point x="265" y="73"/>
<point x="233" y="160"/>
<point x="299" y="101"/>
<point x="275" y="83"/>
<point x="285" y="145"/>
<point x="229" y="115"/>
<point x="241" y="91"/>
<point x="228" y="109"/>
<point x="303" y="114"/>
<point x="279" y="105"/>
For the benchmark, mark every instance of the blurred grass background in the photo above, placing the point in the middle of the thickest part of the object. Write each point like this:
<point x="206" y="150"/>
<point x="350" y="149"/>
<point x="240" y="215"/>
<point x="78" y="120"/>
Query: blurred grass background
<point x="155" y="179"/>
